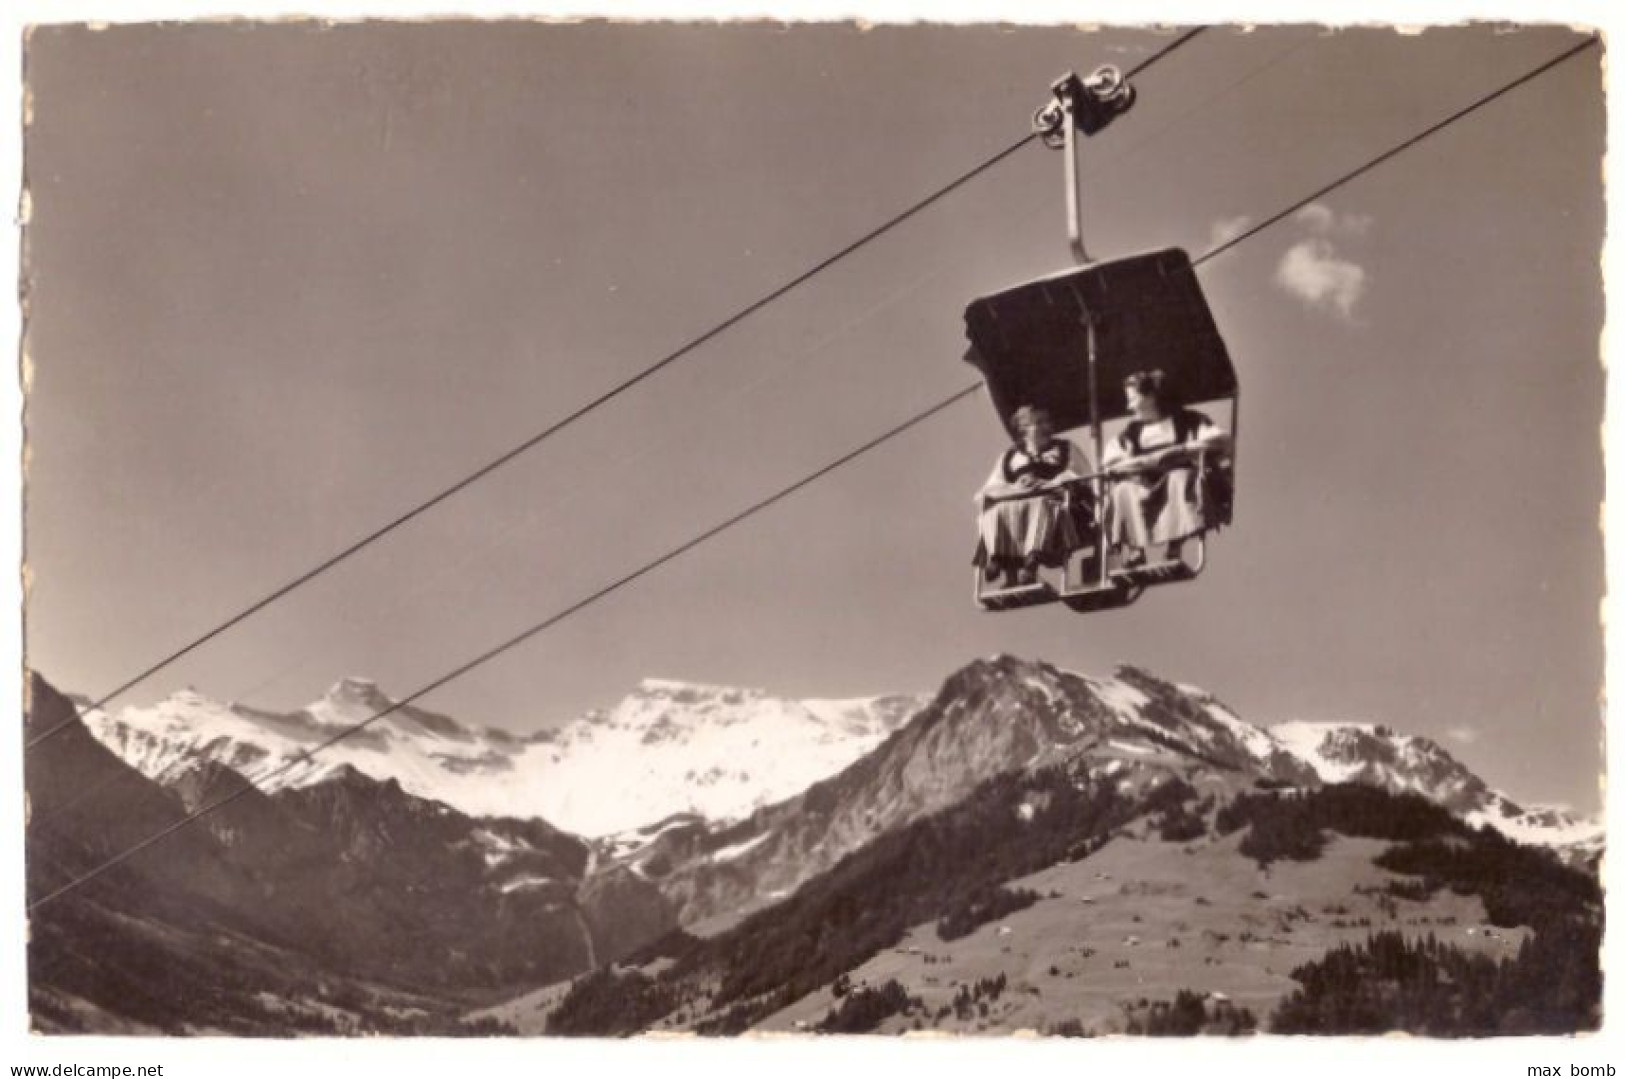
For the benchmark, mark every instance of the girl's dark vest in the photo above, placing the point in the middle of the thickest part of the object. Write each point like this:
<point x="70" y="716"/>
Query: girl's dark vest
<point x="1051" y="461"/>
<point x="1186" y="424"/>
<point x="1217" y="490"/>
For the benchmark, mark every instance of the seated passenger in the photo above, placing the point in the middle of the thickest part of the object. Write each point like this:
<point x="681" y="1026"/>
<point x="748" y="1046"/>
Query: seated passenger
<point x="1155" y="496"/>
<point x="1029" y="516"/>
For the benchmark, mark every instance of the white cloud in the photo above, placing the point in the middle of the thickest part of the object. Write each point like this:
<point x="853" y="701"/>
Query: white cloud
<point x="1316" y="217"/>
<point x="1355" y="224"/>
<point x="1465" y="735"/>
<point x="1313" y="271"/>
<point x="1316" y="270"/>
<point x="1324" y="221"/>
<point x="1228" y="228"/>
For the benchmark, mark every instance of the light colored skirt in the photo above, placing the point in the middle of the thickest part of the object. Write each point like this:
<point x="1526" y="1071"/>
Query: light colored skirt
<point x="1161" y="509"/>
<point x="1011" y="531"/>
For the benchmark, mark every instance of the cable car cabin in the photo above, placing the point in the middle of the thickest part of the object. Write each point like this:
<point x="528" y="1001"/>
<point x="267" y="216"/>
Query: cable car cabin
<point x="1066" y="344"/>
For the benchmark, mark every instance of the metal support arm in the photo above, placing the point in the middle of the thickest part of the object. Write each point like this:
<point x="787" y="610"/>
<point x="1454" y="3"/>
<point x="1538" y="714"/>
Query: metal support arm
<point x="1086" y="105"/>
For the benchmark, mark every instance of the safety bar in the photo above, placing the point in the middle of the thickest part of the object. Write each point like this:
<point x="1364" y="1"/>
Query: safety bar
<point x="1199" y="454"/>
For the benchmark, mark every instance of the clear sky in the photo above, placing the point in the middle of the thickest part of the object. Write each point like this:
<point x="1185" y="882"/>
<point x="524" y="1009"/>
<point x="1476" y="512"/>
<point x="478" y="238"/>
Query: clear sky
<point x="285" y="281"/>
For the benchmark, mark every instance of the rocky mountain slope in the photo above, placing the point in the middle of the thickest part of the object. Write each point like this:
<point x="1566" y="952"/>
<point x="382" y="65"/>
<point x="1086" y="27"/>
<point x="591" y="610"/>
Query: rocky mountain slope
<point x="342" y="883"/>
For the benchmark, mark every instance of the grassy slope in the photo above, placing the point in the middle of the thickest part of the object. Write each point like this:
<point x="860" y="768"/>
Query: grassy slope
<point x="165" y="978"/>
<point x="1139" y="887"/>
<point x="1241" y="928"/>
<point x="527" y="1014"/>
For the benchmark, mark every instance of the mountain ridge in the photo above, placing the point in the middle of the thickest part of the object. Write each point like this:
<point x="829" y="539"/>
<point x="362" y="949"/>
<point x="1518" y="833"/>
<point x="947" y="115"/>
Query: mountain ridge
<point x="994" y="716"/>
<point x="716" y="751"/>
<point x="720" y="753"/>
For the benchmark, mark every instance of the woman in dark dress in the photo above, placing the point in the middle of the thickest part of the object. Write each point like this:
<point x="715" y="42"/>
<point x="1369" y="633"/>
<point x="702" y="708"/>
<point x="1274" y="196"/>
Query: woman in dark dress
<point x="1027" y="511"/>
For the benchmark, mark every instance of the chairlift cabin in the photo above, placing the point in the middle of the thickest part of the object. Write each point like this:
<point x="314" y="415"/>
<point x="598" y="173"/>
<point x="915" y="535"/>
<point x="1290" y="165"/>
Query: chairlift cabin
<point x="1066" y="343"/>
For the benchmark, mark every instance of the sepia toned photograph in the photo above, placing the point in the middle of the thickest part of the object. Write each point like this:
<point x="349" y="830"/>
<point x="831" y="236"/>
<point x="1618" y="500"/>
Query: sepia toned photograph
<point x="540" y="529"/>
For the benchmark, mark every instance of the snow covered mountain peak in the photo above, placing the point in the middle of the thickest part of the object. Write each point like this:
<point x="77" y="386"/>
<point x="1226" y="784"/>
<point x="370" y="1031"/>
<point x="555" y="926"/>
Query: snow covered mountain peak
<point x="1363" y="752"/>
<point x="692" y="692"/>
<point x="657" y="701"/>
<point x="187" y="698"/>
<point x="356" y="691"/>
<point x="350" y="700"/>
<point x="716" y="751"/>
<point x="669" y="747"/>
<point x="662" y="709"/>
<point x="1379" y="756"/>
